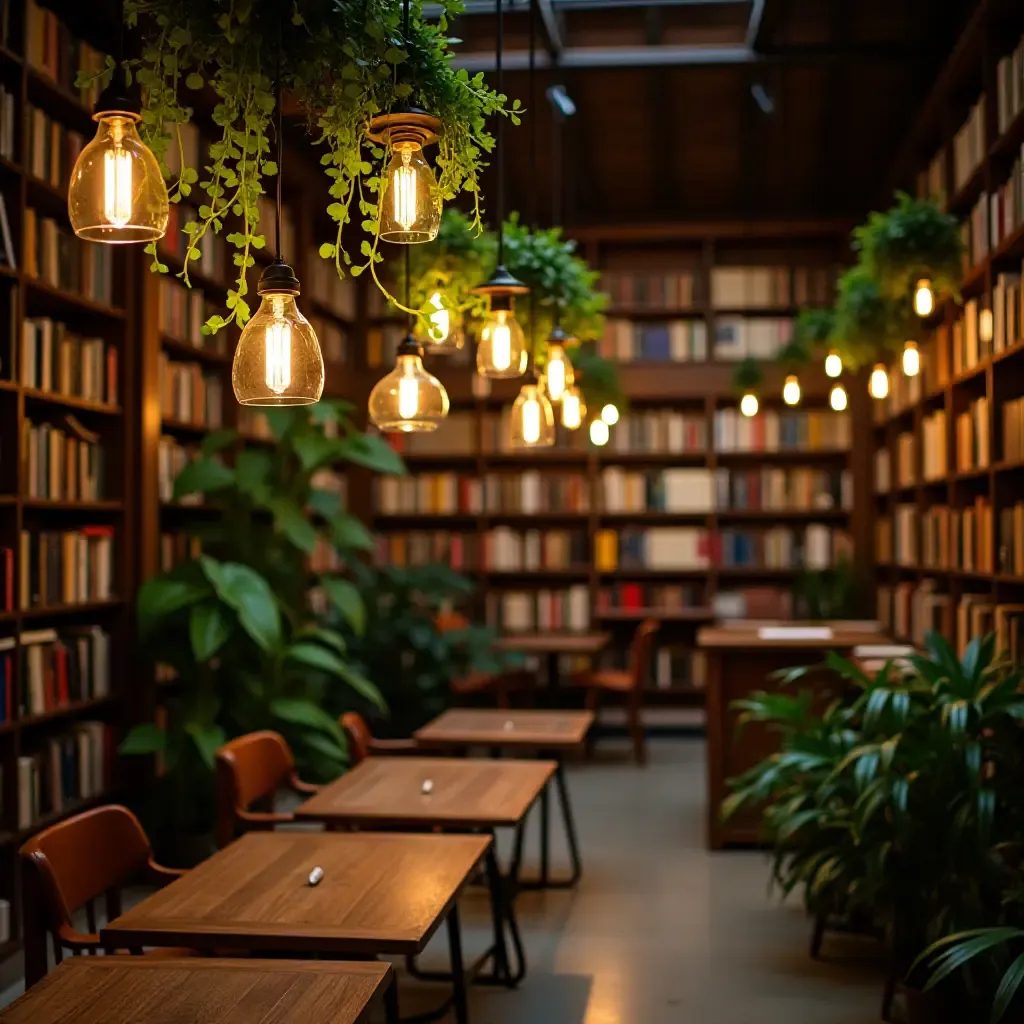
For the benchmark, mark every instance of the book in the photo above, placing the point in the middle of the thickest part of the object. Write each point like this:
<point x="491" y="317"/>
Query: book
<point x="771" y="431"/>
<point x="527" y="611"/>
<point x="190" y="394"/>
<point x="8" y="253"/>
<point x="969" y="146"/>
<point x="64" y="463"/>
<point x="66" y="567"/>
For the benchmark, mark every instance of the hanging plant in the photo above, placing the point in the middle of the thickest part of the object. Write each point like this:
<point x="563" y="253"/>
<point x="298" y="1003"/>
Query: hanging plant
<point x="344" y="62"/>
<point x="813" y="330"/>
<point x="913" y="240"/>
<point x="868" y="325"/>
<point x="747" y="376"/>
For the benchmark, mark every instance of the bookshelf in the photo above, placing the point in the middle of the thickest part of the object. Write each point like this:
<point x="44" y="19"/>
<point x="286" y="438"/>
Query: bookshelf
<point x="947" y="445"/>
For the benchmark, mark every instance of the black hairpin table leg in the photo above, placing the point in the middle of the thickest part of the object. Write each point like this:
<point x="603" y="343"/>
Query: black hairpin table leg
<point x="545" y="881"/>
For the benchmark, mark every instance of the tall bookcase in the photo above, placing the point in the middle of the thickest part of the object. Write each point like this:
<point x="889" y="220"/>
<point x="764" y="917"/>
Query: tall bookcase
<point x="948" y="455"/>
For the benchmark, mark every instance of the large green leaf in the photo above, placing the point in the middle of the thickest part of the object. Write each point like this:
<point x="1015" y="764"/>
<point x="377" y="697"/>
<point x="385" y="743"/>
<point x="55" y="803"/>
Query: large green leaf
<point x="324" y="503"/>
<point x="329" y="410"/>
<point x="201" y="476"/>
<point x="349" y="532"/>
<point x="162" y="596"/>
<point x="315" y="450"/>
<point x="298" y="711"/>
<point x="325" y="636"/>
<point x="1008" y="989"/>
<point x="217" y="441"/>
<point x="252" y="474"/>
<point x="372" y="451"/>
<point x="208" y="739"/>
<point x="208" y="628"/>
<point x="290" y="520"/>
<point x="347" y="600"/>
<point x="147" y="738"/>
<point x="250" y="595"/>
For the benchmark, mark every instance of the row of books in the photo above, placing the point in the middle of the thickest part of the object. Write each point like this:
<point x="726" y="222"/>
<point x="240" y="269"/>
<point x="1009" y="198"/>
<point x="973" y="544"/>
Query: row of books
<point x="459" y="551"/>
<point x="66" y="566"/>
<point x="63" y="463"/>
<point x="56" y="359"/>
<point x="8" y="582"/>
<point x="254" y="423"/>
<point x="771" y="431"/>
<point x="753" y="602"/>
<point x="896" y="537"/>
<point x="662" y="596"/>
<point x="506" y="550"/>
<point x="52" y="49"/>
<point x="8" y="119"/>
<point x="321" y="283"/>
<point x="940" y="537"/>
<point x="212" y="247"/>
<point x="67" y="770"/>
<point x="268" y="212"/>
<point x="8" y="683"/>
<point x="973" y="334"/>
<point x="934" y="461"/>
<point x="1009" y="625"/>
<point x="1010" y="87"/>
<point x="53" y="254"/>
<point x="784" y="490"/>
<point x="906" y="458"/>
<point x="1006" y="206"/>
<point x="909" y="611"/>
<point x="51" y="148"/>
<point x="816" y="546"/>
<point x="667" y="490"/>
<point x="904" y="391"/>
<point x="969" y="146"/>
<point x="975" y="230"/>
<point x="661" y="548"/>
<point x="675" y="667"/>
<point x="539" y="610"/>
<point x="325" y="557"/>
<point x="678" y="341"/>
<point x="659" y="431"/>
<point x="448" y="493"/>
<point x="63" y="667"/>
<point x="182" y="313"/>
<point x="189" y="394"/>
<point x="1013" y="430"/>
<point x="673" y="289"/>
<point x="750" y="287"/>
<point x="171" y="458"/>
<point x="1007" y="312"/>
<point x="973" y="443"/>
<point x="1011" y="539"/>
<point x="178" y="546"/>
<point x="737" y="338"/>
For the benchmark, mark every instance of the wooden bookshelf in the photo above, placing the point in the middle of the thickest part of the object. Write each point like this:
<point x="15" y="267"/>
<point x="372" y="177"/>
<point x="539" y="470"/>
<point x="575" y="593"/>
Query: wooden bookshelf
<point x="962" y="373"/>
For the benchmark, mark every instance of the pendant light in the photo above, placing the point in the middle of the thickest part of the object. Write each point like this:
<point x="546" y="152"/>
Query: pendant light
<point x="911" y="359"/>
<point x="749" y="404"/>
<point x="837" y="398"/>
<point x="117" y="193"/>
<point x="878" y="382"/>
<point x="599" y="433"/>
<point x="501" y="351"/>
<point x="277" y="359"/>
<point x="924" y="298"/>
<point x="791" y="390"/>
<point x="610" y="414"/>
<point x="833" y="364"/>
<point x="558" y="371"/>
<point x="573" y="409"/>
<point x="408" y="400"/>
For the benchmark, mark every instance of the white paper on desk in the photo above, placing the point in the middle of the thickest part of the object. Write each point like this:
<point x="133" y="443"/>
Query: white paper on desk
<point x="795" y="633"/>
<point x="883" y="651"/>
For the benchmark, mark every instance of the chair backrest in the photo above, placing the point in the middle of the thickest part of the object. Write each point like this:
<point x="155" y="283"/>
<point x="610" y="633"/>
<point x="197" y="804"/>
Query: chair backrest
<point x="640" y="651"/>
<point x="65" y="867"/>
<point x="250" y="768"/>
<point x="359" y="736"/>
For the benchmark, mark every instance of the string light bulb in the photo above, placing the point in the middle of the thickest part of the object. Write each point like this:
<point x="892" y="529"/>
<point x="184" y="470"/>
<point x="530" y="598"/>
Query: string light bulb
<point x="117" y="193"/>
<point x="610" y="414"/>
<point x="749" y="404"/>
<point x="558" y="371"/>
<point x="924" y="298"/>
<point x="573" y="409"/>
<point x="837" y="397"/>
<point x="532" y="422"/>
<point x="911" y="359"/>
<point x="878" y="383"/>
<point x="833" y="364"/>
<point x="599" y="433"/>
<point x="443" y="333"/>
<point x="501" y="351"/>
<point x="408" y="400"/>
<point x="791" y="390"/>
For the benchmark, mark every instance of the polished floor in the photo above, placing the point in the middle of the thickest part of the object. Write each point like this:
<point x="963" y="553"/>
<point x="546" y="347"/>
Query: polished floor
<point x="659" y="930"/>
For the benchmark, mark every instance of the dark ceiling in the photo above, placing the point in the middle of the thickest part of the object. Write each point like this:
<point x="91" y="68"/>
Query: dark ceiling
<point x="695" y="109"/>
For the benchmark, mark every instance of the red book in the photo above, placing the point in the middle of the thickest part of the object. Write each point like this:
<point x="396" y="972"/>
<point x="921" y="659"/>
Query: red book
<point x="632" y="596"/>
<point x="61" y="658"/>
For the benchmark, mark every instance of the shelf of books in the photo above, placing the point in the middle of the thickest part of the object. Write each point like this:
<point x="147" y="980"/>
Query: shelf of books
<point x="949" y="444"/>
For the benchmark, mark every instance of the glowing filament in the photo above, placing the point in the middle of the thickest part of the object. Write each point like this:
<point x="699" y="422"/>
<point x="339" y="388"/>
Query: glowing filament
<point x="837" y="397"/>
<point x="408" y="398"/>
<point x="117" y="186"/>
<point x="924" y="298"/>
<point x="403" y="186"/>
<point x="572" y="414"/>
<point x="531" y="421"/>
<point x="911" y="359"/>
<point x="833" y="364"/>
<point x="278" y="349"/>
<point x="501" y="343"/>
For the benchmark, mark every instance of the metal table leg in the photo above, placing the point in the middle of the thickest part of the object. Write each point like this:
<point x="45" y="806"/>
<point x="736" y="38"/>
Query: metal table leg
<point x="458" y="971"/>
<point x="545" y="881"/>
<point x="391" y="1015"/>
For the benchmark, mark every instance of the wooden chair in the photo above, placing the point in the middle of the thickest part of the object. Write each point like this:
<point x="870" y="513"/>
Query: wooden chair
<point x="250" y="770"/>
<point x="629" y="684"/>
<point x="501" y="686"/>
<point x="67" y="866"/>
<point x="363" y="744"/>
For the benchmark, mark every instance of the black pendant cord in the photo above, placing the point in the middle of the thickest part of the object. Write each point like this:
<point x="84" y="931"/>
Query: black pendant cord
<point x="280" y="153"/>
<point x="532" y="100"/>
<point x="408" y="289"/>
<point x="405" y="20"/>
<point x="499" y="134"/>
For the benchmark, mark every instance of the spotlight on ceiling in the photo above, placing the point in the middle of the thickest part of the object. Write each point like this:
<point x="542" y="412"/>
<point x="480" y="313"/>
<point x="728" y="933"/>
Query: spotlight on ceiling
<point x="560" y="100"/>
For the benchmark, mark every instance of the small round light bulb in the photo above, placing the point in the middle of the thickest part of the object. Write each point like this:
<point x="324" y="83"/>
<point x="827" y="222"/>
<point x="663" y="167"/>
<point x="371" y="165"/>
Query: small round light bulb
<point x="911" y="359"/>
<point x="833" y="364"/>
<point x="878" y="384"/>
<point x="791" y="390"/>
<point x="748" y="404"/>
<point x="610" y="414"/>
<point x="599" y="432"/>
<point x="924" y="298"/>
<point x="573" y="409"/>
<point x="837" y="397"/>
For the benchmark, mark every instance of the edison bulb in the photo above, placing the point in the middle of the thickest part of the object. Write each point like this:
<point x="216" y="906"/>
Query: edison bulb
<point x="791" y="390"/>
<point x="117" y="193"/>
<point x="610" y="414"/>
<point x="442" y="333"/>
<point x="408" y="399"/>
<point x="412" y="204"/>
<point x="833" y="364"/>
<point x="573" y="409"/>
<point x="277" y="359"/>
<point x="924" y="298"/>
<point x="502" y="348"/>
<point x="911" y="359"/>
<point x="878" y="384"/>
<point x="748" y="404"/>
<point x="599" y="432"/>
<point x="532" y="424"/>
<point x="559" y="373"/>
<point x="837" y="397"/>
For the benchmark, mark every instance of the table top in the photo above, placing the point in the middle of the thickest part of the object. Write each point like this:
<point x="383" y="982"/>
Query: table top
<point x="492" y="727"/>
<point x="553" y="643"/>
<point x="731" y="637"/>
<point x="130" y="989"/>
<point x="381" y="893"/>
<point x="464" y="792"/>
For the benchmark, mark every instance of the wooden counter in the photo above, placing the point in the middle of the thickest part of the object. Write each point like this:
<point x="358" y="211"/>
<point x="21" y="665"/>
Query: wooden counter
<point x="739" y="663"/>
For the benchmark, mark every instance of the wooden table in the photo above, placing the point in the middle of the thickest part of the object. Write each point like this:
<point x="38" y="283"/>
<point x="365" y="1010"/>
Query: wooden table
<point x="739" y="662"/>
<point x="551" y="733"/>
<point x="552" y="645"/>
<point x="131" y="990"/>
<point x="381" y="893"/>
<point x="388" y="792"/>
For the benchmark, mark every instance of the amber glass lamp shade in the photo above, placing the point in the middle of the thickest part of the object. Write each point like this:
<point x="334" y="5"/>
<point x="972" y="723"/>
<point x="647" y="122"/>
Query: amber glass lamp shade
<point x="411" y="213"/>
<point x="574" y="409"/>
<point x="749" y="404"/>
<point x="599" y="433"/>
<point x="558" y="371"/>
<point x="408" y="400"/>
<point x="878" y="382"/>
<point x="532" y="423"/>
<point x="837" y="398"/>
<point x="501" y="351"/>
<point x="277" y="359"/>
<point x="117" y="193"/>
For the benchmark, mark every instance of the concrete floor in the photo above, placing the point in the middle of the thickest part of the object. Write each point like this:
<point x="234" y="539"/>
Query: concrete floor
<point x="659" y="930"/>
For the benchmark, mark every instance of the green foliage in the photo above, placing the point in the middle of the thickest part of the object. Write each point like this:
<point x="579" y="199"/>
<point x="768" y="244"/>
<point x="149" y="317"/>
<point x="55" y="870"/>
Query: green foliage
<point x="868" y="324"/>
<point x="913" y="239"/>
<point x="837" y="593"/>
<point x="747" y="375"/>
<point x="345" y="61"/>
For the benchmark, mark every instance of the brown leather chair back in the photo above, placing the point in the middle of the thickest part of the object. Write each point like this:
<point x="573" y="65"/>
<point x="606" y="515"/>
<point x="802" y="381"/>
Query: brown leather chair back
<point x="250" y="769"/>
<point x="640" y="652"/>
<point x="359" y="736"/>
<point x="65" y="867"/>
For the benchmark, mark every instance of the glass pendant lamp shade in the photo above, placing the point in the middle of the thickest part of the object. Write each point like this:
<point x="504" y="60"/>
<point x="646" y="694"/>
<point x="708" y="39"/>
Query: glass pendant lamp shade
<point x="502" y="348"/>
<point x="442" y="330"/>
<point x="558" y="371"/>
<point x="408" y="400"/>
<point x="117" y="193"/>
<point x="599" y="432"/>
<point x="911" y="359"/>
<point x="924" y="298"/>
<point x="532" y="423"/>
<point x="833" y="364"/>
<point x="573" y="409"/>
<point x="791" y="390"/>
<point x="277" y="359"/>
<point x="837" y="397"/>
<point x="878" y="383"/>
<point x="749" y="404"/>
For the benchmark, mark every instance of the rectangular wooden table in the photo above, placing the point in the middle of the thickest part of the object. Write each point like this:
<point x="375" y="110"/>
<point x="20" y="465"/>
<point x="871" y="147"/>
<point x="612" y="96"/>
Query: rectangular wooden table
<point x="133" y="990"/>
<point x="451" y="794"/>
<point x="553" y="645"/>
<point x="380" y="893"/>
<point x="549" y="733"/>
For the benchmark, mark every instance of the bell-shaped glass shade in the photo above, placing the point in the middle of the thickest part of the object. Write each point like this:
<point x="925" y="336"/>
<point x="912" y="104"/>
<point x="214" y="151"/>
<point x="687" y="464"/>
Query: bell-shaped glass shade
<point x="117" y="193"/>
<point x="412" y="204"/>
<point x="441" y="331"/>
<point x="599" y="432"/>
<point x="532" y="423"/>
<point x="837" y="397"/>
<point x="558" y="373"/>
<point x="878" y="382"/>
<point x="749" y="404"/>
<point x="911" y="359"/>
<point x="791" y="390"/>
<point x="502" y="348"/>
<point x="408" y="399"/>
<point x="574" y="409"/>
<point x="277" y="359"/>
<point x="833" y="364"/>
